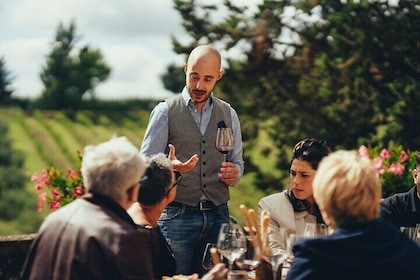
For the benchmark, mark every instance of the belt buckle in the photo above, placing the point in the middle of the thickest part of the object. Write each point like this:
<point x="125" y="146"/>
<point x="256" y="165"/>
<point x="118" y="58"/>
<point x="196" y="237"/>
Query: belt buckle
<point x="203" y="207"/>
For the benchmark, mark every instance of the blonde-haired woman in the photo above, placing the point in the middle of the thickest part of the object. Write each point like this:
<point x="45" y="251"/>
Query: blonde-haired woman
<point x="362" y="246"/>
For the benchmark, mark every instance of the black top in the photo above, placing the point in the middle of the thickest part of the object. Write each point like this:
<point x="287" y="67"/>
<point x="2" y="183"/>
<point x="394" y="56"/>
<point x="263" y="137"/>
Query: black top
<point x="402" y="209"/>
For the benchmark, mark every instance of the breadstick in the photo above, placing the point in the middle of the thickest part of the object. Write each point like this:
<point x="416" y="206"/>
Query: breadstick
<point x="254" y="219"/>
<point x="254" y="238"/>
<point x="214" y="255"/>
<point x="264" y="233"/>
<point x="246" y="216"/>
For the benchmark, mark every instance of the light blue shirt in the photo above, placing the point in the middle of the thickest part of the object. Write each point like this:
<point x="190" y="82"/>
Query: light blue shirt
<point x="156" y="136"/>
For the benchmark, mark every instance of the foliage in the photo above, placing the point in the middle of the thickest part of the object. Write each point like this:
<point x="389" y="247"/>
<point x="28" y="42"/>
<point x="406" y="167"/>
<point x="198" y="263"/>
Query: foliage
<point x="12" y="174"/>
<point x="393" y="166"/>
<point x="68" y="78"/>
<point x="5" y="82"/>
<point x="312" y="69"/>
<point x="56" y="188"/>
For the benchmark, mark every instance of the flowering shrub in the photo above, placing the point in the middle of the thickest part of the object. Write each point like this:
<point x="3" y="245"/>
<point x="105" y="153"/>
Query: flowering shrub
<point x="56" y="189"/>
<point x="393" y="166"/>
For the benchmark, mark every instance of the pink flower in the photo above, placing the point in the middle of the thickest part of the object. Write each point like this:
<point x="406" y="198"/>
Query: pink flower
<point x="71" y="174"/>
<point x="396" y="168"/>
<point x="41" y="199"/>
<point x="39" y="186"/>
<point x="55" y="205"/>
<point x="377" y="165"/>
<point x="403" y="156"/>
<point x="363" y="151"/>
<point x="384" y="154"/>
<point x="78" y="191"/>
<point x="55" y="194"/>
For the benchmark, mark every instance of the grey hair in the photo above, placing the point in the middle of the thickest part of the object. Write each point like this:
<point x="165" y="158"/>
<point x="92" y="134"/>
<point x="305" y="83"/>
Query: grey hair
<point x="112" y="167"/>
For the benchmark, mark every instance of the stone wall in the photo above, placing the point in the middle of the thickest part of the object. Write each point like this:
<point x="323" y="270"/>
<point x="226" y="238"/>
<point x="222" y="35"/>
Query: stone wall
<point x="13" y="251"/>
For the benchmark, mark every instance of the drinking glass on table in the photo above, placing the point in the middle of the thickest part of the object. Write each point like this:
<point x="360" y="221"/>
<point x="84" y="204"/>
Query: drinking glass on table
<point x="314" y="230"/>
<point x="412" y="232"/>
<point x="224" y="141"/>
<point x="207" y="261"/>
<point x="231" y="243"/>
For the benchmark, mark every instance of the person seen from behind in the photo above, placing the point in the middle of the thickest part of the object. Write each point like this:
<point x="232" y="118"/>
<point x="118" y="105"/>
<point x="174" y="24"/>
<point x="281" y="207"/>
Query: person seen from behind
<point x="362" y="246"/>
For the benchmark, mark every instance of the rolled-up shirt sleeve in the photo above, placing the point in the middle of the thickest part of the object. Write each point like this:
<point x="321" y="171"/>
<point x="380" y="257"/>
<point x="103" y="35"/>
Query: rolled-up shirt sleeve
<point x="236" y="156"/>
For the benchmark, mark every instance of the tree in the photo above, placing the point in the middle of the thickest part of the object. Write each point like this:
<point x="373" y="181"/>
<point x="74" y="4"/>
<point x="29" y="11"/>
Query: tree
<point x="343" y="72"/>
<point x="67" y="77"/>
<point x="5" y="82"/>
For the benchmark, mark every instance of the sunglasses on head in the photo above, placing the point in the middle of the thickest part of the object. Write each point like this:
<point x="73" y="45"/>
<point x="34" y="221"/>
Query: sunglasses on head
<point x="178" y="177"/>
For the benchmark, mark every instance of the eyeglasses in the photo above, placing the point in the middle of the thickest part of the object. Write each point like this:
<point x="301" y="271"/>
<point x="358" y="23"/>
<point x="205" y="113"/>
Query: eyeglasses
<point x="178" y="177"/>
<point x="142" y="179"/>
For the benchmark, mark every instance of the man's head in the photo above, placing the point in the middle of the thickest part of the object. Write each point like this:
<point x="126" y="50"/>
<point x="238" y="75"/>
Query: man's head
<point x="112" y="168"/>
<point x="347" y="189"/>
<point x="158" y="181"/>
<point x="416" y="173"/>
<point x="202" y="71"/>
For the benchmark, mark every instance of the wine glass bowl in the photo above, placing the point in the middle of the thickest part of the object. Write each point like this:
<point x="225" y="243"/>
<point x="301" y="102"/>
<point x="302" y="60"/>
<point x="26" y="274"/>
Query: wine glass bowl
<point x="224" y="141"/>
<point x="276" y="261"/>
<point x="231" y="243"/>
<point x="314" y="230"/>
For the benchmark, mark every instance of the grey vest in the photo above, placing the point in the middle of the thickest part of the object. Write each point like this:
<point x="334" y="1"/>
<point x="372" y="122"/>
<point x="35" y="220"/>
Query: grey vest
<point x="187" y="139"/>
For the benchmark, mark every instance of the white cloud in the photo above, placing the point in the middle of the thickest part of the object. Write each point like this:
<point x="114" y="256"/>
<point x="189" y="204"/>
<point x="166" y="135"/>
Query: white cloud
<point x="133" y="35"/>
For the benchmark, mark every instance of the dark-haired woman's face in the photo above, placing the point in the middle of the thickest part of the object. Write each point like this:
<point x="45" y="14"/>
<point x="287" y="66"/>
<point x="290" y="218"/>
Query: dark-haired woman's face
<point x="301" y="177"/>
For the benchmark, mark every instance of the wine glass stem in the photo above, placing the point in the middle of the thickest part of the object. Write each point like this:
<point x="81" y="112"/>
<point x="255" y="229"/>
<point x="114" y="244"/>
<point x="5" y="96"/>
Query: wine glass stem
<point x="224" y="157"/>
<point x="231" y="265"/>
<point x="275" y="269"/>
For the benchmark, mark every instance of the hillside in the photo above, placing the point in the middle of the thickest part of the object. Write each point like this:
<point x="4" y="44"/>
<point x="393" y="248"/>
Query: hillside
<point x="51" y="138"/>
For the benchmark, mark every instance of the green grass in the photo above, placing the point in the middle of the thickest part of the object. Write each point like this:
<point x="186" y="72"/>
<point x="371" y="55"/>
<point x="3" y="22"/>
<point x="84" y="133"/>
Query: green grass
<point x="51" y="138"/>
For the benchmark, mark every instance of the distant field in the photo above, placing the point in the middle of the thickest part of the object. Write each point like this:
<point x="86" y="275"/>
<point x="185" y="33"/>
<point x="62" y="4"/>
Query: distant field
<point x="50" y="138"/>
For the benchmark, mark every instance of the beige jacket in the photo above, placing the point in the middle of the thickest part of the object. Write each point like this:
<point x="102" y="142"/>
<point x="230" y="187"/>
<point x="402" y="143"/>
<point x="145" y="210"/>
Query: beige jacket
<point x="283" y="220"/>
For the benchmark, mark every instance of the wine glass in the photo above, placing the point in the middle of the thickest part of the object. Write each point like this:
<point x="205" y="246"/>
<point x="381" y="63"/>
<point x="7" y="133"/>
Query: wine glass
<point x="207" y="261"/>
<point x="231" y="243"/>
<point x="314" y="230"/>
<point x="224" y="141"/>
<point x="276" y="261"/>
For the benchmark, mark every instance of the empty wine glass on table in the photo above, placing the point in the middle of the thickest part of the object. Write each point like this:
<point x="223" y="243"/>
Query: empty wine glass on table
<point x="314" y="230"/>
<point x="224" y="141"/>
<point x="276" y="261"/>
<point x="231" y="243"/>
<point x="207" y="261"/>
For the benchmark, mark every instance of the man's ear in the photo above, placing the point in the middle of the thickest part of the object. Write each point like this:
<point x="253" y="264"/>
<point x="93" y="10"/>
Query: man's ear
<point x="221" y="73"/>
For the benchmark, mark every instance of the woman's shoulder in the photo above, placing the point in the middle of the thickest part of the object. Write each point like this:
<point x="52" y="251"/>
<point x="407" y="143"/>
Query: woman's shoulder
<point x="275" y="197"/>
<point x="275" y="203"/>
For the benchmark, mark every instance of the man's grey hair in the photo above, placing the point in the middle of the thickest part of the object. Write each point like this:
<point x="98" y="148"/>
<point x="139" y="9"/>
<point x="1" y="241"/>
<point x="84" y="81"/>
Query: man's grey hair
<point x="112" y="167"/>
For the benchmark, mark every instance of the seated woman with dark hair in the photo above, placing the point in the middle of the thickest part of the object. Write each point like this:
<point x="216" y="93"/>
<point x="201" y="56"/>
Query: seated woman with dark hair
<point x="158" y="189"/>
<point x="291" y="209"/>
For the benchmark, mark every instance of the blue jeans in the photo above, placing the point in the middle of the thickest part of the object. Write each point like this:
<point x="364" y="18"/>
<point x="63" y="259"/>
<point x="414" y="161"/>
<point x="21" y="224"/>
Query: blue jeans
<point x="188" y="230"/>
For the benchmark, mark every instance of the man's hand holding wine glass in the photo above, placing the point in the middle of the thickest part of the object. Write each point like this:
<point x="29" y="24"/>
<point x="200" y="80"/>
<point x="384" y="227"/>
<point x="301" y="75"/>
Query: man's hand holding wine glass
<point x="224" y="144"/>
<point x="228" y="173"/>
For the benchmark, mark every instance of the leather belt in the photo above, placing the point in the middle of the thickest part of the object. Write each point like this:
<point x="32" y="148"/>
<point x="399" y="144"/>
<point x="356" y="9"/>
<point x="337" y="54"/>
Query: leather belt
<point x="203" y="205"/>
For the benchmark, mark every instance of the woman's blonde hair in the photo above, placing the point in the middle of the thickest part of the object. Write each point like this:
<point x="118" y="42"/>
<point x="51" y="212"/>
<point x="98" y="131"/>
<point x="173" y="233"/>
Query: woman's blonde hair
<point x="347" y="188"/>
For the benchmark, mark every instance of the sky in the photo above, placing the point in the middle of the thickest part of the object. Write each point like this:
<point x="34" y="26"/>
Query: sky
<point x="133" y="35"/>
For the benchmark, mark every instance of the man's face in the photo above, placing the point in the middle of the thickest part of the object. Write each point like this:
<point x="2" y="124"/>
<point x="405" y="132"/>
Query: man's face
<point x="416" y="178"/>
<point x="201" y="77"/>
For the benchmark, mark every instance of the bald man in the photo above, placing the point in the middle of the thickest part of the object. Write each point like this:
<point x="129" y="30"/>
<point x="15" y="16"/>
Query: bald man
<point x="188" y="124"/>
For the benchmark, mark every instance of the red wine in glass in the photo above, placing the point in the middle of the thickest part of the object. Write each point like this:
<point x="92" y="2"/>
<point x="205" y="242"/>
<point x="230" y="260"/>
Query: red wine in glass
<point x="224" y="141"/>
